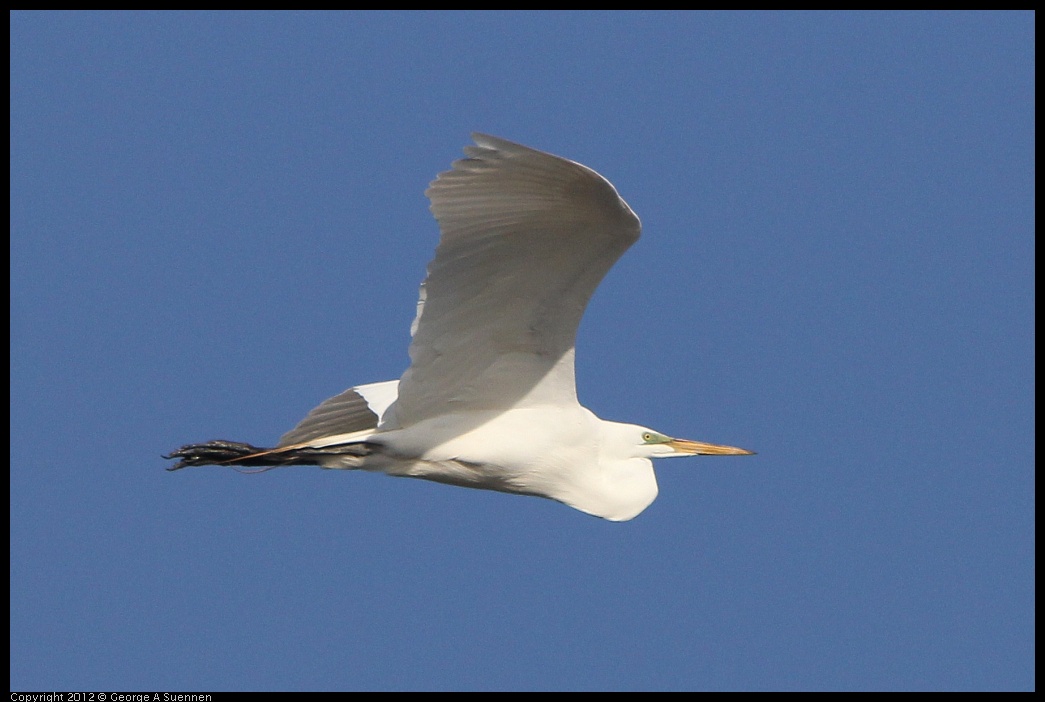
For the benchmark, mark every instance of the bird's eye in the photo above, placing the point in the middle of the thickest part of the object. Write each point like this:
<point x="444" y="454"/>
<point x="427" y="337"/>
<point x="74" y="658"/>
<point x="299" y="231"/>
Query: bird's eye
<point x="652" y="437"/>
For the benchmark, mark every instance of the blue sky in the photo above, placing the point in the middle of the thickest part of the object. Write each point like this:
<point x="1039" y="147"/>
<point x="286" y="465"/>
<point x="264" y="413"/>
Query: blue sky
<point x="218" y="220"/>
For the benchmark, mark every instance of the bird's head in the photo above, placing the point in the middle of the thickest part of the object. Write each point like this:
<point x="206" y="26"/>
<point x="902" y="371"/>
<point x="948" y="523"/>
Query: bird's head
<point x="624" y="483"/>
<point x="656" y="445"/>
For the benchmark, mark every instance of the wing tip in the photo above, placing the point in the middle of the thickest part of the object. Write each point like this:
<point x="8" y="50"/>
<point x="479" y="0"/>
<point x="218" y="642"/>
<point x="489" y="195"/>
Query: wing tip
<point x="499" y="144"/>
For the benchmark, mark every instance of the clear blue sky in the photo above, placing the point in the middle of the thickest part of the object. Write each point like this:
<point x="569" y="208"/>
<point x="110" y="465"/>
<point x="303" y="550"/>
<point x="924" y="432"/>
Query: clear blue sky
<point x="218" y="220"/>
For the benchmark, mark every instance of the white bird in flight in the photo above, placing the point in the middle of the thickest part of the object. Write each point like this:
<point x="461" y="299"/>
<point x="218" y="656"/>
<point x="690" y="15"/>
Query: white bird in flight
<point x="489" y="399"/>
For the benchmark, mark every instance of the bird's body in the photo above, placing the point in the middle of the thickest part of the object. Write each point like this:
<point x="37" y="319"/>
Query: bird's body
<point x="489" y="399"/>
<point x="499" y="450"/>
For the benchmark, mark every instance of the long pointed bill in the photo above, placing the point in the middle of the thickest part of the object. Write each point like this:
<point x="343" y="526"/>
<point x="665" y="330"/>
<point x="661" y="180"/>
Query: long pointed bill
<point x="699" y="448"/>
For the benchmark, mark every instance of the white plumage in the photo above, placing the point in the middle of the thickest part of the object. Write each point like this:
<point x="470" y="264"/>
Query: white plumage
<point x="489" y="399"/>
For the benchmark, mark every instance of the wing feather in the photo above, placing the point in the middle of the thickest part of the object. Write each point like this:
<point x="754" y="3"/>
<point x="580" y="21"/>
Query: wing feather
<point x="356" y="409"/>
<point x="526" y="239"/>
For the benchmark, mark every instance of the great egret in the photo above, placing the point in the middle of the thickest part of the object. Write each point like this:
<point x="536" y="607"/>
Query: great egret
<point x="489" y="399"/>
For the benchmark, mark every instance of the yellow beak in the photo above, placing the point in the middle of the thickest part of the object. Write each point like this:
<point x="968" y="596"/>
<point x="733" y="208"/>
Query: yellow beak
<point x="699" y="448"/>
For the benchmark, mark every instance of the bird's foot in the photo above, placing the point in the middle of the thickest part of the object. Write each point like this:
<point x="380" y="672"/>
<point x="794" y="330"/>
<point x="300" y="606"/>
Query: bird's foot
<point x="215" y="452"/>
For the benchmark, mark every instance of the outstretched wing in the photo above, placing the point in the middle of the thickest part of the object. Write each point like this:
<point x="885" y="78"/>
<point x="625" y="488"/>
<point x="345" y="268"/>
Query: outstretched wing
<point x="356" y="409"/>
<point x="526" y="239"/>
